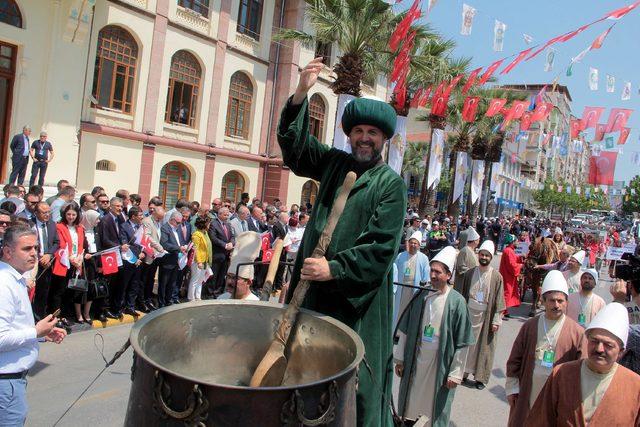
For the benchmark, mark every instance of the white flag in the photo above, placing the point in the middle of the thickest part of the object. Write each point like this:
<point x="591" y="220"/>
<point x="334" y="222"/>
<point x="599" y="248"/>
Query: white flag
<point x="596" y="149"/>
<point x="626" y="91"/>
<point x="548" y="64"/>
<point x="340" y="140"/>
<point x="467" y="19"/>
<point x="611" y="84"/>
<point x="431" y="4"/>
<point x="593" y="78"/>
<point x="496" y="168"/>
<point x="64" y="257"/>
<point x="436" y="158"/>
<point x="476" y="180"/>
<point x="498" y="35"/>
<point x="461" y="174"/>
<point x="527" y="38"/>
<point x="398" y="144"/>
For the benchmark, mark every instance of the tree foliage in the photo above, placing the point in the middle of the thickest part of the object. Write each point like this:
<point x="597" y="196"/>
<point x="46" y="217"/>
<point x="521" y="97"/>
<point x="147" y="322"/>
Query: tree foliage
<point x="550" y="199"/>
<point x="631" y="202"/>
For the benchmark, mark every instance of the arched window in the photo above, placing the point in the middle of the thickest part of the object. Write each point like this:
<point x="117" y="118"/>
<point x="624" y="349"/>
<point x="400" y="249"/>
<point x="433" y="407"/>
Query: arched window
<point x="10" y="13"/>
<point x="175" y="180"/>
<point x="232" y="186"/>
<point x="239" y="108"/>
<point x="115" y="71"/>
<point x="316" y="116"/>
<point x="309" y="193"/>
<point x="105" y="165"/>
<point x="184" y="87"/>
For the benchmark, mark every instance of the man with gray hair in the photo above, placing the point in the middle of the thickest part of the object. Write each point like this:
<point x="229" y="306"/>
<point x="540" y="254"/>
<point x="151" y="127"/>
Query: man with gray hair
<point x="222" y="241"/>
<point x="19" y="155"/>
<point x="239" y="223"/>
<point x="42" y="153"/>
<point x="174" y="244"/>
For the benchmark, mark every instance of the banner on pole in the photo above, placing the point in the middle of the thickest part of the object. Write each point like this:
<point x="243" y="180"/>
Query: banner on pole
<point x="498" y="35"/>
<point x="467" y="19"/>
<point x="436" y="158"/>
<point x="476" y="180"/>
<point x="340" y="139"/>
<point x="461" y="174"/>
<point x="397" y="145"/>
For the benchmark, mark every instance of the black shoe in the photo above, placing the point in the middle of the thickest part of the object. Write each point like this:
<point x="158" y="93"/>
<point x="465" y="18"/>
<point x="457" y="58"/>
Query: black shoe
<point x="102" y="318"/>
<point x="143" y="308"/>
<point x="479" y="385"/>
<point x="110" y="314"/>
<point x="130" y="312"/>
<point x="88" y="321"/>
<point x="175" y="301"/>
<point x="151" y="306"/>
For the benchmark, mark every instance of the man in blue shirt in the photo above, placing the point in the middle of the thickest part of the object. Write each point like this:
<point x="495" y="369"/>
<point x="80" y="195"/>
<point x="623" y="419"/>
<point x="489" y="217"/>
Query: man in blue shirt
<point x="41" y="153"/>
<point x="19" y="156"/>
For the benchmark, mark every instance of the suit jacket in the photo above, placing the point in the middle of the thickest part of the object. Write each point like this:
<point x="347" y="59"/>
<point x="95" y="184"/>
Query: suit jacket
<point x="219" y="239"/>
<point x="66" y="242"/>
<point x="261" y="228"/>
<point x="28" y="216"/>
<point x="278" y="231"/>
<point x="108" y="232"/>
<point x="127" y="237"/>
<point x="152" y="233"/>
<point x="236" y="226"/>
<point x="17" y="146"/>
<point x="53" y="243"/>
<point x="169" y="243"/>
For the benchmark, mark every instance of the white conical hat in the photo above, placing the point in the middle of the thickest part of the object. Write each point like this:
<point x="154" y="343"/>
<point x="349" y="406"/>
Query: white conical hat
<point x="416" y="235"/>
<point x="246" y="250"/>
<point x="613" y="318"/>
<point x="555" y="281"/>
<point x="472" y="234"/>
<point x="579" y="256"/>
<point x="488" y="246"/>
<point x="447" y="256"/>
<point x="592" y="272"/>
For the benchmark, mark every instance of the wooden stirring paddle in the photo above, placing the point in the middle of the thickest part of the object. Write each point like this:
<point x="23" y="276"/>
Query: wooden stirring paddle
<point x="273" y="366"/>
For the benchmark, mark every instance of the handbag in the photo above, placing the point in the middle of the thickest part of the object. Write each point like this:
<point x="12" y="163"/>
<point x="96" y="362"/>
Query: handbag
<point x="99" y="288"/>
<point x="78" y="284"/>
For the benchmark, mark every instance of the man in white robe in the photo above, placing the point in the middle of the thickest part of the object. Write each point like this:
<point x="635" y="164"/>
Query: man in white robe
<point x="584" y="305"/>
<point x="572" y="276"/>
<point x="413" y="268"/>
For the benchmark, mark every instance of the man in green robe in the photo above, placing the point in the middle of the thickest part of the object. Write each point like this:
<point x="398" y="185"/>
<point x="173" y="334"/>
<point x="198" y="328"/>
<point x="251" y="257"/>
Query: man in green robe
<point x="429" y="355"/>
<point x="353" y="282"/>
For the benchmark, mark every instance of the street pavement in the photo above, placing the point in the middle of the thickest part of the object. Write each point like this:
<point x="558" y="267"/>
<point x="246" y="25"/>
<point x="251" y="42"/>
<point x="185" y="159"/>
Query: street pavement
<point x="64" y="371"/>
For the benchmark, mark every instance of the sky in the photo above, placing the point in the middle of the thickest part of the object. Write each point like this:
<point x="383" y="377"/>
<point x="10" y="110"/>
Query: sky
<point x="543" y="20"/>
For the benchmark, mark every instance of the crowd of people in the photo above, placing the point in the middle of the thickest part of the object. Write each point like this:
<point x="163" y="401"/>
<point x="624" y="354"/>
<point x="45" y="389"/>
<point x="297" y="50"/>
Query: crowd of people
<point x="187" y="247"/>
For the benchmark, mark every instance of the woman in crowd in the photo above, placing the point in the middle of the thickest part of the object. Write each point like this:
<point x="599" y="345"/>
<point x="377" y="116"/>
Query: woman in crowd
<point x="90" y="220"/>
<point x="295" y="237"/>
<point x="202" y="258"/>
<point x="558" y="239"/>
<point x="72" y="247"/>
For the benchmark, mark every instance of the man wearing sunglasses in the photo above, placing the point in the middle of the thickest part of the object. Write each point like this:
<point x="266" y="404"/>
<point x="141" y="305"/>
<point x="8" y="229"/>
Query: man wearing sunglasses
<point x="29" y="213"/>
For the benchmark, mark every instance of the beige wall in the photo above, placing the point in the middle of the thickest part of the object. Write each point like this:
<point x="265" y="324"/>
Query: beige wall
<point x="249" y="171"/>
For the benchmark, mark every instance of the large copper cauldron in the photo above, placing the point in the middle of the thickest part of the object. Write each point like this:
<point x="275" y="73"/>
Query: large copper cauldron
<point x="192" y="364"/>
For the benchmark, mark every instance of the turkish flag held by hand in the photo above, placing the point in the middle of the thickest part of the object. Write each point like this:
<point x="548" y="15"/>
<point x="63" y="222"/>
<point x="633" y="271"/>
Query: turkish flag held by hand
<point x="575" y="126"/>
<point x="470" y="108"/>
<point x="109" y="262"/>
<point x="495" y="106"/>
<point x="541" y="112"/>
<point x="617" y="119"/>
<point x="590" y="117"/>
<point x="525" y="122"/>
<point x="602" y="168"/>
<point x="267" y="255"/>
<point x="624" y="134"/>
<point x="600" y="131"/>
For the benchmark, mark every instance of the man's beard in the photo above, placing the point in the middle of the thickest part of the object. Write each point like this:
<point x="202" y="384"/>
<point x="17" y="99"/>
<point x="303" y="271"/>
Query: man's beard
<point x="484" y="262"/>
<point x="366" y="159"/>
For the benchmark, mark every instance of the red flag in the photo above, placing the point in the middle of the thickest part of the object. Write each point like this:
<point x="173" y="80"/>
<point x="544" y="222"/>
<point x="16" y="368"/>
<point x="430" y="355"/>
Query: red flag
<point x="470" y="108"/>
<point x="109" y="261"/>
<point x="590" y="117"/>
<point x="547" y="44"/>
<point x="452" y="85"/>
<point x="600" y="131"/>
<point x="516" y="61"/>
<point x="417" y="96"/>
<point x="571" y="34"/>
<point x="540" y="95"/>
<point x="517" y="110"/>
<point x="425" y="97"/>
<point x="602" y="168"/>
<point x="575" y="126"/>
<point x="624" y="134"/>
<point x="525" y="122"/>
<point x="619" y="13"/>
<point x="400" y="92"/>
<point x="561" y="38"/>
<point x="547" y="138"/>
<point x="490" y="70"/>
<point x="617" y="119"/>
<point x="471" y="80"/>
<point x="403" y="26"/>
<point x="267" y="255"/>
<point x="145" y="242"/>
<point x="495" y="106"/>
<point x="439" y="105"/>
<point x="542" y="111"/>
<point x="597" y="43"/>
<point x="266" y="240"/>
<point x="438" y="91"/>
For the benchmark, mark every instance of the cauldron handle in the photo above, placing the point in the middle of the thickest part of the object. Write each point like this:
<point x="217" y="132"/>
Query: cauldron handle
<point x="197" y="404"/>
<point x="328" y="415"/>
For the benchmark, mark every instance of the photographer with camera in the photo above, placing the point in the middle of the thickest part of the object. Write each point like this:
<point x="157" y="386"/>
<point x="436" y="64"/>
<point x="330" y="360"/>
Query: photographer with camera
<point x="628" y="284"/>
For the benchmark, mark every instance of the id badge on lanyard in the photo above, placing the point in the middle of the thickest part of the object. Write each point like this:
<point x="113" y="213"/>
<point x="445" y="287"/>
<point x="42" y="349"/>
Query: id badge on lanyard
<point x="547" y="358"/>
<point x="582" y="319"/>
<point x="428" y="334"/>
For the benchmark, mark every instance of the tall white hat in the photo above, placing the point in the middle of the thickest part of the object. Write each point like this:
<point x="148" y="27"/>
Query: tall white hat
<point x="447" y="256"/>
<point x="472" y="234"/>
<point x="246" y="250"/>
<point x="417" y="235"/>
<point x="488" y="246"/>
<point x="613" y="318"/>
<point x="555" y="281"/>
<point x="579" y="256"/>
<point x="592" y="272"/>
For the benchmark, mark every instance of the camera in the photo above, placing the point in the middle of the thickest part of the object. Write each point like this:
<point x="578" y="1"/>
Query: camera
<point x="631" y="270"/>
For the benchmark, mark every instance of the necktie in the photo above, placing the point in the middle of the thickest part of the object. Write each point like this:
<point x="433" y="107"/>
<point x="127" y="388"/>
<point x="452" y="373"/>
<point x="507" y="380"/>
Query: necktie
<point x="244" y="225"/>
<point x="45" y="238"/>
<point x="184" y="232"/>
<point x="226" y="232"/>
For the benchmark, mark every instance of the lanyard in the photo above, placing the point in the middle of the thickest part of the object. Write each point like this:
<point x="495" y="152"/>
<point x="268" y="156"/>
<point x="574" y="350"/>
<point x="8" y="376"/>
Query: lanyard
<point x="583" y="306"/>
<point x="546" y="335"/>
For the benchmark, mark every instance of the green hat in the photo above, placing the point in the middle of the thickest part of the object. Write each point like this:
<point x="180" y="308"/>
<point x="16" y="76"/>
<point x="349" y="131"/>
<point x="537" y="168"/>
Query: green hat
<point x="365" y="111"/>
<point x="509" y="238"/>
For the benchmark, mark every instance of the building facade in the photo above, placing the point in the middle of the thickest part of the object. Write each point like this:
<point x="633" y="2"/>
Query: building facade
<point x="177" y="98"/>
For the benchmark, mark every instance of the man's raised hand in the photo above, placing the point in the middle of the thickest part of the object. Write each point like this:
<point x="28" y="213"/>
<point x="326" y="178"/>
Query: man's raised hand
<point x="308" y="77"/>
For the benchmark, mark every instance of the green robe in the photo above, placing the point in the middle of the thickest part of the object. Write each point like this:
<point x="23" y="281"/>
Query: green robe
<point x="362" y="250"/>
<point x="455" y="333"/>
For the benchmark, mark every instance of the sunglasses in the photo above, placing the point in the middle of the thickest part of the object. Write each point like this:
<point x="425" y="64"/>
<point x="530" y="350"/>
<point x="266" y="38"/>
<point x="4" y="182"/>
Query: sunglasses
<point x="4" y="223"/>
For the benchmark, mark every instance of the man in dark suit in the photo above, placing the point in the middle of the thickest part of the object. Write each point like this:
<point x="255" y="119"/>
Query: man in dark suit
<point x="222" y="241"/>
<point x="109" y="237"/>
<point x="173" y="243"/>
<point x="185" y="230"/>
<point x="254" y="223"/>
<point x="279" y="231"/>
<point x="48" y="245"/>
<point x="20" y="146"/>
<point x="130" y="279"/>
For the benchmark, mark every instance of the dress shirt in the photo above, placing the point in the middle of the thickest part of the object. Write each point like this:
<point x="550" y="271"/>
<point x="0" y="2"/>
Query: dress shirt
<point x="18" y="337"/>
<point x="175" y="234"/>
<point x="42" y="237"/>
<point x="25" y="150"/>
